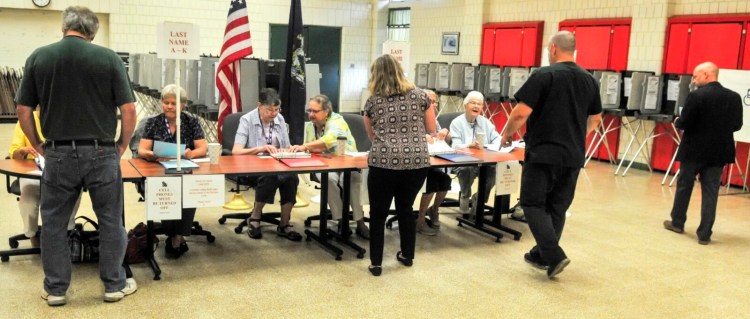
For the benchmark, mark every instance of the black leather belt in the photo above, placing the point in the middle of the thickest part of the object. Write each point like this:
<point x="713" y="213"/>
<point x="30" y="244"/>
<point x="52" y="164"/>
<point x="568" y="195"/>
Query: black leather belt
<point x="75" y="143"/>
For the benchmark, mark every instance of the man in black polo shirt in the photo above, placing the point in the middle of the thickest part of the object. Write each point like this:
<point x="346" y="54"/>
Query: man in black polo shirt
<point x="79" y="86"/>
<point x="562" y="105"/>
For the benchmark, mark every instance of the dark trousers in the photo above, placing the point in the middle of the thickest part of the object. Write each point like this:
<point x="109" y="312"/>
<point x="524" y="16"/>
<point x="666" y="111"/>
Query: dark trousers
<point x="384" y="186"/>
<point x="182" y="226"/>
<point x="710" y="177"/>
<point x="68" y="169"/>
<point x="268" y="184"/>
<point x="546" y="194"/>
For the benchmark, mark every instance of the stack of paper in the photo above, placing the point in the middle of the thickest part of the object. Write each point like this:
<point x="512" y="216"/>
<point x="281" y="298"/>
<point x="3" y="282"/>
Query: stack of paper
<point x="280" y="155"/>
<point x="440" y="147"/>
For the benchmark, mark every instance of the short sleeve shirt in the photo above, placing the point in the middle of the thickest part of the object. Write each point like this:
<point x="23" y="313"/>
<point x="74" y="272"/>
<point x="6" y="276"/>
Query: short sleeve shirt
<point x="562" y="97"/>
<point x="157" y="129"/>
<point x="398" y="125"/>
<point x="335" y="126"/>
<point x="79" y="86"/>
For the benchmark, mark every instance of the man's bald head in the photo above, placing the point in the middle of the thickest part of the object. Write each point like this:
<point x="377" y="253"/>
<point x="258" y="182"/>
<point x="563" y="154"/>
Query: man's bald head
<point x="705" y="73"/>
<point x="561" y="47"/>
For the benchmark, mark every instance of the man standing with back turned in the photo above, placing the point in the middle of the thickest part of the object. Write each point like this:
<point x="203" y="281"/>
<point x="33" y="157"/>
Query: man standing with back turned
<point x="562" y="105"/>
<point x="711" y="115"/>
<point x="79" y="87"/>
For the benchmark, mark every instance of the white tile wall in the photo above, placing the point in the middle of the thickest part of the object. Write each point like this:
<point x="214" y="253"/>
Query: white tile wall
<point x="132" y="23"/>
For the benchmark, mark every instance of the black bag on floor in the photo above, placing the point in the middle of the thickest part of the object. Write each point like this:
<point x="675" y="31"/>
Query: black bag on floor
<point x="84" y="244"/>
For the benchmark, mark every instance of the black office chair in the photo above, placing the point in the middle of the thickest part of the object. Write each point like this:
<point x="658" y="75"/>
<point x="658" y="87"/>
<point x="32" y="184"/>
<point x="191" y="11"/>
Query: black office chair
<point x="140" y="187"/>
<point x="356" y="125"/>
<point x="228" y="132"/>
<point x="14" y="188"/>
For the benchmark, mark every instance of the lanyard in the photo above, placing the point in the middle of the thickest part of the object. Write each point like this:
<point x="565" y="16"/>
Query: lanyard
<point x="323" y="129"/>
<point x="169" y="133"/>
<point x="269" y="137"/>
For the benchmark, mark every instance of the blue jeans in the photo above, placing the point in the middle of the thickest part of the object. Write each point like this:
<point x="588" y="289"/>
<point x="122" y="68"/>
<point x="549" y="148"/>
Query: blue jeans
<point x="69" y="169"/>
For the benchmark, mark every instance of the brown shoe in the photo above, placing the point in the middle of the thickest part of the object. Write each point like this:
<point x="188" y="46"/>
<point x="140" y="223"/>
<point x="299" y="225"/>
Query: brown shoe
<point x="669" y="226"/>
<point x="35" y="242"/>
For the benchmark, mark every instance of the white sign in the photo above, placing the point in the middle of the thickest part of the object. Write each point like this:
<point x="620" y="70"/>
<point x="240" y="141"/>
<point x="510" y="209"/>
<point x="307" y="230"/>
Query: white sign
<point x="163" y="198"/>
<point x="507" y="177"/>
<point x="401" y="51"/>
<point x="202" y="191"/>
<point x="177" y="40"/>
<point x="739" y="81"/>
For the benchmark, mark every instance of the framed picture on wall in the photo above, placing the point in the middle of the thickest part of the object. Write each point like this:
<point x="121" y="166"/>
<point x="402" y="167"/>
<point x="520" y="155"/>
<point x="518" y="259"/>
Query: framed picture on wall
<point x="450" y="43"/>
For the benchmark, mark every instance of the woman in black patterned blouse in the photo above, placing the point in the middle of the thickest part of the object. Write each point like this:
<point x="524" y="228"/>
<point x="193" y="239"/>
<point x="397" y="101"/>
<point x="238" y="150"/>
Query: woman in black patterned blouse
<point x="397" y="117"/>
<point x="163" y="128"/>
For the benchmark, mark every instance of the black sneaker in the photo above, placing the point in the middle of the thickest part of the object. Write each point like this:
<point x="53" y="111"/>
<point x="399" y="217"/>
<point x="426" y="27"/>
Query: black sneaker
<point x="552" y="271"/>
<point x="535" y="261"/>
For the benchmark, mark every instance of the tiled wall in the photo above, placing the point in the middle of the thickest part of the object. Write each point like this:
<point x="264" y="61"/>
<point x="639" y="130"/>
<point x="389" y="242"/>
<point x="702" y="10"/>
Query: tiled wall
<point x="132" y="25"/>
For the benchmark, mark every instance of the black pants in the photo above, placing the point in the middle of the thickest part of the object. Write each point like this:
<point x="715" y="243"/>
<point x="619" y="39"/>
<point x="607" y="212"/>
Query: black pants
<point x="384" y="186"/>
<point x="546" y="194"/>
<point x="182" y="226"/>
<point x="710" y="177"/>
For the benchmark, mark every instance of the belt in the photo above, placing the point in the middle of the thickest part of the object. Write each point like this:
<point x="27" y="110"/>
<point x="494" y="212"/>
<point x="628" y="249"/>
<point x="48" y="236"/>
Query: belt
<point x="75" y="143"/>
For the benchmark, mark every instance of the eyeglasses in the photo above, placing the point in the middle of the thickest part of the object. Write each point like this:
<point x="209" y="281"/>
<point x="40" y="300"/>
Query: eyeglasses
<point x="272" y="109"/>
<point x="311" y="111"/>
<point x="476" y="103"/>
<point x="173" y="103"/>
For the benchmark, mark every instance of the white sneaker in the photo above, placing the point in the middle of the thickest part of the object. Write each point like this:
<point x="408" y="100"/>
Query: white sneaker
<point x="464" y="205"/>
<point x="54" y="301"/>
<point x="130" y="288"/>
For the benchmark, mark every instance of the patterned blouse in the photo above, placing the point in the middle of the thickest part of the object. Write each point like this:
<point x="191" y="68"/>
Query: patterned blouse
<point x="398" y="125"/>
<point x="335" y="126"/>
<point x="157" y="129"/>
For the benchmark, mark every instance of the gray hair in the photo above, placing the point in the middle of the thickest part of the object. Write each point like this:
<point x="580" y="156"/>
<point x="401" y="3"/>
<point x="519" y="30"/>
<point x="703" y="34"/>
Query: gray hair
<point x="82" y="20"/>
<point x="171" y="91"/>
<point x="473" y="95"/>
<point x="565" y="41"/>
<point x="325" y="103"/>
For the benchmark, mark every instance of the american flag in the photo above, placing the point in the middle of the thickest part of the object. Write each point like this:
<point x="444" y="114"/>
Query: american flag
<point x="236" y="46"/>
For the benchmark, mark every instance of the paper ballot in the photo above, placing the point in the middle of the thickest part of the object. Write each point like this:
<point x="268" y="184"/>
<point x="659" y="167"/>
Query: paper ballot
<point x="166" y="149"/>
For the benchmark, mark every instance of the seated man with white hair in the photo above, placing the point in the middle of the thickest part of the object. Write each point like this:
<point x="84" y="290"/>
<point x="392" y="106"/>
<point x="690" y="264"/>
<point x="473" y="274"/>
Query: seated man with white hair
<point x="465" y="131"/>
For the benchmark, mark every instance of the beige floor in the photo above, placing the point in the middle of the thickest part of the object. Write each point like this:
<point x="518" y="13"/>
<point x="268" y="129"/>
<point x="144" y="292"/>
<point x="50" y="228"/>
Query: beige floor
<point x="624" y="265"/>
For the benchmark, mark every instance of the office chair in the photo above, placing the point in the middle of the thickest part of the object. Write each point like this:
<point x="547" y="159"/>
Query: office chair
<point x="197" y="229"/>
<point x="228" y="131"/>
<point x="357" y="126"/>
<point x="14" y="188"/>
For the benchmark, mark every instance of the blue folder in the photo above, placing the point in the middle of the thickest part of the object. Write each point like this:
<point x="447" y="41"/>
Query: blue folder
<point x="459" y="158"/>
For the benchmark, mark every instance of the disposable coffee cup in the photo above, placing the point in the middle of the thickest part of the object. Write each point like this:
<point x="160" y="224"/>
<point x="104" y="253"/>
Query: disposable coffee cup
<point x="214" y="151"/>
<point x="340" y="145"/>
<point x="480" y="139"/>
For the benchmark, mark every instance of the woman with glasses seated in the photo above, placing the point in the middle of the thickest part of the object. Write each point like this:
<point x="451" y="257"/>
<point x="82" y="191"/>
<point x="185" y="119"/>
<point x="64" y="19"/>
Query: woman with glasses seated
<point x="438" y="182"/>
<point x="321" y="134"/>
<point x="465" y="131"/>
<point x="163" y="128"/>
<point x="263" y="131"/>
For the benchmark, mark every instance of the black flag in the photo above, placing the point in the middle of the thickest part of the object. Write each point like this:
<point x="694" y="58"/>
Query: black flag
<point x="293" y="98"/>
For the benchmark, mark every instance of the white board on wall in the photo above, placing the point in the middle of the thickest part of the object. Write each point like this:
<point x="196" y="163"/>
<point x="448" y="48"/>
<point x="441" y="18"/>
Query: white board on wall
<point x="739" y="81"/>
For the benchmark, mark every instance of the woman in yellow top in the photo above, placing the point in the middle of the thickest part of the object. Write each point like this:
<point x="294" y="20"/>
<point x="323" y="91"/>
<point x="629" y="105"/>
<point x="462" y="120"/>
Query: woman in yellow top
<point x="28" y="204"/>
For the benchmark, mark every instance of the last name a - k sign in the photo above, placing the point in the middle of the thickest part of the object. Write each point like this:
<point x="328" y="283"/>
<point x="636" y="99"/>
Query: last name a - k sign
<point x="177" y="40"/>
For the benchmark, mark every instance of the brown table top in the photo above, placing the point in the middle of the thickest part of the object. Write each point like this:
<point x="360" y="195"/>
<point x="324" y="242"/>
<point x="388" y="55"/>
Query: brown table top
<point x="254" y="165"/>
<point x="22" y="168"/>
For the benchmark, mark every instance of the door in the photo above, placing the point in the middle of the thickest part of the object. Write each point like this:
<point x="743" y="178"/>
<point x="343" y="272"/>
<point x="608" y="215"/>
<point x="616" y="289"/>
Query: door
<point x="322" y="47"/>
